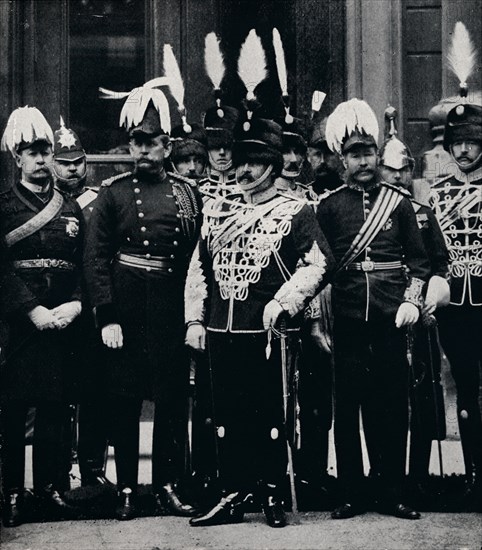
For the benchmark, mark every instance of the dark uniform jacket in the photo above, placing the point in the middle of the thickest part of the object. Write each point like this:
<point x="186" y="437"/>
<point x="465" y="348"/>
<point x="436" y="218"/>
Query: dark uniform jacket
<point x="367" y="295"/>
<point x="277" y="251"/>
<point x="143" y="221"/>
<point x="37" y="360"/>
<point x="457" y="202"/>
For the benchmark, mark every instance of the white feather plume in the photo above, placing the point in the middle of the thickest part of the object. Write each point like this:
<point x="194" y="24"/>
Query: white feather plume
<point x="317" y="100"/>
<point x="214" y="60"/>
<point x="136" y="104"/>
<point x="348" y="117"/>
<point x="280" y="61"/>
<point x="173" y="73"/>
<point x="25" y="124"/>
<point x="462" y="54"/>
<point x="252" y="63"/>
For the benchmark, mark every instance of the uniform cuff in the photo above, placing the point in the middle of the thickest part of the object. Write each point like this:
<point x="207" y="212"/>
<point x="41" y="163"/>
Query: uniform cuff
<point x="413" y="293"/>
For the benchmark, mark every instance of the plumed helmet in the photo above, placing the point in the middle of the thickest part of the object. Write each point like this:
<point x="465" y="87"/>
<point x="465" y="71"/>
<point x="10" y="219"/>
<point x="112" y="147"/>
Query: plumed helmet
<point x="67" y="144"/>
<point x="25" y="126"/>
<point x="192" y="142"/>
<point x="394" y="153"/>
<point x="219" y="123"/>
<point x="464" y="122"/>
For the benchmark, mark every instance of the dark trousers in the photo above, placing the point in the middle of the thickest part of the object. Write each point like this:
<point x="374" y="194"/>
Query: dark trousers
<point x="248" y="410"/>
<point x="51" y="461"/>
<point x="93" y="437"/>
<point x="371" y="372"/>
<point x="167" y="444"/>
<point x="460" y="328"/>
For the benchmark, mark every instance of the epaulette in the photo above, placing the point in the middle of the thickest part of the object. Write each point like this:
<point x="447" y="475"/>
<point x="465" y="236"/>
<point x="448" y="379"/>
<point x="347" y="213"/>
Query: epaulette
<point x="327" y="194"/>
<point x="109" y="181"/>
<point x="402" y="191"/>
<point x="182" y="179"/>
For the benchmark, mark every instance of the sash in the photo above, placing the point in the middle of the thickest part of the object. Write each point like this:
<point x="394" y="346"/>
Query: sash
<point x="387" y="200"/>
<point x="233" y="229"/>
<point x="40" y="219"/>
<point x="452" y="213"/>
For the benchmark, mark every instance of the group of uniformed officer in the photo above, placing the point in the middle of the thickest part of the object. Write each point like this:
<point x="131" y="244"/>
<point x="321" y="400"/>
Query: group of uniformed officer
<point x="225" y="255"/>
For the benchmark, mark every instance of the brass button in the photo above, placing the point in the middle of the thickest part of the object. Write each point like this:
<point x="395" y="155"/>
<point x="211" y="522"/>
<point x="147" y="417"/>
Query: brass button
<point x="170" y="270"/>
<point x="175" y="243"/>
<point x="172" y="256"/>
<point x="141" y="214"/>
<point x="178" y="230"/>
<point x="143" y="229"/>
<point x="178" y="215"/>
<point x="368" y="249"/>
<point x="135" y="180"/>
<point x="148" y="269"/>
<point x="146" y="243"/>
<point x="367" y="211"/>
<point x="138" y="201"/>
<point x="148" y="256"/>
<point x="171" y="181"/>
<point x="137" y="190"/>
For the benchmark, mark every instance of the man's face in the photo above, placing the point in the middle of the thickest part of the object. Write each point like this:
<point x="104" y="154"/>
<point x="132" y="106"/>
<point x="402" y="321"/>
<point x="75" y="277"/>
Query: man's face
<point x="323" y="161"/>
<point x="35" y="162"/>
<point x="361" y="163"/>
<point x="191" y="166"/>
<point x="249" y="172"/>
<point x="401" y="177"/>
<point x="71" y="171"/>
<point x="221" y="156"/>
<point x="466" y="152"/>
<point x="292" y="160"/>
<point x="149" y="152"/>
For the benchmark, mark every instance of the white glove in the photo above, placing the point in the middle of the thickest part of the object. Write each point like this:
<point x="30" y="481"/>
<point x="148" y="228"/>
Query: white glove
<point x="271" y="312"/>
<point x="438" y="294"/>
<point x="112" y="336"/>
<point x="43" y="318"/>
<point x="407" y="314"/>
<point x="196" y="337"/>
<point x="66" y="313"/>
<point x="320" y="337"/>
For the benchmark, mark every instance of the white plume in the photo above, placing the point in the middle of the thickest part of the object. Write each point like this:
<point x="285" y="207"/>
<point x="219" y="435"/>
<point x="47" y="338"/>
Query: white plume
<point x="111" y="94"/>
<point x="25" y="124"/>
<point x="350" y="116"/>
<point x="214" y="60"/>
<point x="252" y="63"/>
<point x="176" y="84"/>
<point x="136" y="104"/>
<point x="462" y="55"/>
<point x="280" y="61"/>
<point x="317" y="100"/>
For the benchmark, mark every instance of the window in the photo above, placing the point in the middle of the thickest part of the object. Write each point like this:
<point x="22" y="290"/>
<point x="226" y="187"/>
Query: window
<point x="107" y="48"/>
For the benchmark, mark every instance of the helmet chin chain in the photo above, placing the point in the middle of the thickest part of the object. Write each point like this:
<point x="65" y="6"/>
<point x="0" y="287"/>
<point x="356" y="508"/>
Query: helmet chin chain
<point x="220" y="167"/>
<point x="467" y="167"/>
<point x="65" y="183"/>
<point x="254" y="191"/>
<point x="290" y="175"/>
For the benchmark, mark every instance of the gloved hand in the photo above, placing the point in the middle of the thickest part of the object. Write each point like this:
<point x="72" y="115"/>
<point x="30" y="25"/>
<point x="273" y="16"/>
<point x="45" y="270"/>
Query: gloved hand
<point x="112" y="336"/>
<point x="407" y="314"/>
<point x="271" y="312"/>
<point x="438" y="294"/>
<point x="196" y="337"/>
<point x="66" y="313"/>
<point x="43" y="318"/>
<point x="321" y="337"/>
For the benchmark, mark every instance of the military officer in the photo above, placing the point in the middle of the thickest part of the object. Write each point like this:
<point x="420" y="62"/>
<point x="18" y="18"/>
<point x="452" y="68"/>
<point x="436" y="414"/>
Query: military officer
<point x="457" y="202"/>
<point x="426" y="397"/>
<point x="372" y="229"/>
<point x="43" y="232"/>
<point x="70" y="173"/>
<point x="189" y="155"/>
<point x="241" y="281"/>
<point x="143" y="229"/>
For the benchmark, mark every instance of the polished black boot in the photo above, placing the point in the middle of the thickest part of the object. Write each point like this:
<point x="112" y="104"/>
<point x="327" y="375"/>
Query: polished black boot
<point x="12" y="509"/>
<point x="401" y="511"/>
<point x="125" y="509"/>
<point x="274" y="511"/>
<point x="230" y="509"/>
<point x="346" y="511"/>
<point x="54" y="507"/>
<point x="168" y="503"/>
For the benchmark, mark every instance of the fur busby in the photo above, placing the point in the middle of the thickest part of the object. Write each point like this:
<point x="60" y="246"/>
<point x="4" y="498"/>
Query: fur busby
<point x="294" y="133"/>
<point x="189" y="143"/>
<point x="25" y="126"/>
<point x="260" y="141"/>
<point x="464" y="122"/>
<point x="219" y="123"/>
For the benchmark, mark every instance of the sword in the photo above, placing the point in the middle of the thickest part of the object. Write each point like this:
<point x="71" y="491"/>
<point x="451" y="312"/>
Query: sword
<point x="284" y="373"/>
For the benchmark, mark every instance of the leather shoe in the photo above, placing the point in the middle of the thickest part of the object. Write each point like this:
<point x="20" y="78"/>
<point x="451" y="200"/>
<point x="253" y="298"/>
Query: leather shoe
<point x="54" y="506"/>
<point x="230" y="509"/>
<point x="168" y="503"/>
<point x="274" y="512"/>
<point x="346" y="511"/>
<point x="402" y="511"/>
<point x="125" y="509"/>
<point x="12" y="512"/>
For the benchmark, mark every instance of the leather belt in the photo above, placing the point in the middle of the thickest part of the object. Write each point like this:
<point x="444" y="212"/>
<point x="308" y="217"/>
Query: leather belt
<point x="40" y="263"/>
<point x="373" y="266"/>
<point x="154" y="263"/>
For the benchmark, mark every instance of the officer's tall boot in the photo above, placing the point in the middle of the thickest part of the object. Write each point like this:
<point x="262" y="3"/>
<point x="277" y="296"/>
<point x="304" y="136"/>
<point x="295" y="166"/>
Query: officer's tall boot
<point x="472" y="451"/>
